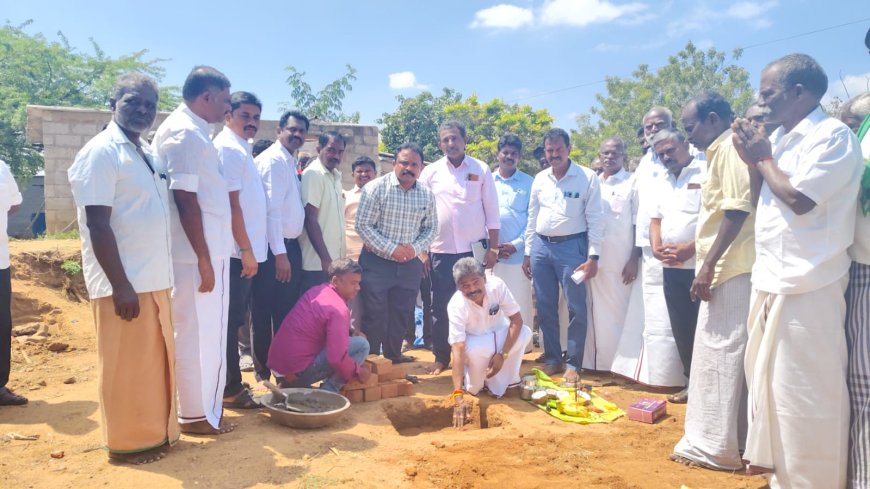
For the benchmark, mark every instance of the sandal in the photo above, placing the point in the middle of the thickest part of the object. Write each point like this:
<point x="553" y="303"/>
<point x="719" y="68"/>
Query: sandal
<point x="9" y="398"/>
<point x="681" y="397"/>
<point x="242" y="400"/>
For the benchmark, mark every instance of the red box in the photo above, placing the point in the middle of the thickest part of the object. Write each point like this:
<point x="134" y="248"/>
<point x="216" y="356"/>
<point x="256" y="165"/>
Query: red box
<point x="647" y="410"/>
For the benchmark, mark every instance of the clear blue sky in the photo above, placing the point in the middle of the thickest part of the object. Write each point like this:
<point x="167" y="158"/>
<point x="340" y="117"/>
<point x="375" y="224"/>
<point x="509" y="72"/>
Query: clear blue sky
<point x="514" y="50"/>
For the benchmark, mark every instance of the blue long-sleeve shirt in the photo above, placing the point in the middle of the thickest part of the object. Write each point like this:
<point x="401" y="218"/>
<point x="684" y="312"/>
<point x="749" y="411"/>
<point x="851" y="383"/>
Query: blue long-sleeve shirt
<point x="513" y="205"/>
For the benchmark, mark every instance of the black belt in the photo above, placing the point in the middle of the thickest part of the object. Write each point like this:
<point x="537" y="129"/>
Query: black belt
<point x="559" y="239"/>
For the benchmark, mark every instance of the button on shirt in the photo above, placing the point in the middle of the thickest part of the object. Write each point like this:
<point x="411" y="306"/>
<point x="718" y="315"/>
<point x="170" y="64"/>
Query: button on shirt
<point x="109" y="172"/>
<point x="798" y="254"/>
<point x="513" y="206"/>
<point x="322" y="189"/>
<point x="353" y="240"/>
<point x="467" y="318"/>
<point x="679" y="205"/>
<point x="466" y="202"/>
<point x="183" y="143"/>
<point x="860" y="249"/>
<point x="285" y="217"/>
<point x="389" y="216"/>
<point x="564" y="207"/>
<point x="240" y="173"/>
<point x="725" y="188"/>
<point x="320" y="320"/>
<point x="9" y="196"/>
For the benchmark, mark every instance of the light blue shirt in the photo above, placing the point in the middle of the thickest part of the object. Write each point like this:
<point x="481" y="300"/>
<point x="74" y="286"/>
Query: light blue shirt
<point x="513" y="206"/>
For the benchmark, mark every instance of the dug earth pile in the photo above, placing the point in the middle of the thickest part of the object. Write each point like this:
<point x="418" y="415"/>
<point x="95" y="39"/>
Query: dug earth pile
<point x="403" y="442"/>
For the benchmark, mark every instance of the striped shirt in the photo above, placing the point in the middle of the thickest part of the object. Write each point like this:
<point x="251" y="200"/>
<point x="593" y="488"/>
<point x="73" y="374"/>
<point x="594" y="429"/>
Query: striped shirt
<point x="388" y="215"/>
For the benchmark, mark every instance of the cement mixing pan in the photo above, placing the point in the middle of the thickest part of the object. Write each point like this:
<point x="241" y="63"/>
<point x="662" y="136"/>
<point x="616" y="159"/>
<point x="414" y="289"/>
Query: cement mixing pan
<point x="319" y="408"/>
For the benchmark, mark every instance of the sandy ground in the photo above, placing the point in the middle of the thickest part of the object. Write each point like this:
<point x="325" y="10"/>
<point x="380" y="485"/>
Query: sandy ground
<point x="512" y="444"/>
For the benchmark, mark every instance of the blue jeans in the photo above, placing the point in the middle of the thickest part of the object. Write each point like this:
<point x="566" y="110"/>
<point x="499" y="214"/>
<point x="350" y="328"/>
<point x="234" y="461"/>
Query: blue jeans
<point x="320" y="369"/>
<point x="552" y="266"/>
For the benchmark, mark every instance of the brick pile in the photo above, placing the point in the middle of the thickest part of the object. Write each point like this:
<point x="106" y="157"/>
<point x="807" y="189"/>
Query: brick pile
<point x="386" y="381"/>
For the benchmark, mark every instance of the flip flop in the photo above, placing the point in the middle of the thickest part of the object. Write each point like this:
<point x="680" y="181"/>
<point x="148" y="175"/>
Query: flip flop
<point x="242" y="400"/>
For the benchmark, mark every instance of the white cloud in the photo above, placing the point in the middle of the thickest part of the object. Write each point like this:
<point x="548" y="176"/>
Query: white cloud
<point x="700" y="18"/>
<point x="581" y="13"/>
<point x="748" y="10"/>
<point x="404" y="80"/>
<point x="848" y="87"/>
<point x="604" y="47"/>
<point x="503" y="16"/>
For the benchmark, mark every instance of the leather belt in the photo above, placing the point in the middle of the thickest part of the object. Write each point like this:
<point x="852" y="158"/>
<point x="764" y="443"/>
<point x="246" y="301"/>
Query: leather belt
<point x="559" y="239"/>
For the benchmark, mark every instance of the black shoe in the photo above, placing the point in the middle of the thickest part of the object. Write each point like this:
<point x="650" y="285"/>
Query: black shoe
<point x="9" y="398"/>
<point x="404" y="359"/>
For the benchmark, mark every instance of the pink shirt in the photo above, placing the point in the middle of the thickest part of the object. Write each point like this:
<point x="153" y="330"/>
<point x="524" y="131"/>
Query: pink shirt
<point x="466" y="202"/>
<point x="319" y="320"/>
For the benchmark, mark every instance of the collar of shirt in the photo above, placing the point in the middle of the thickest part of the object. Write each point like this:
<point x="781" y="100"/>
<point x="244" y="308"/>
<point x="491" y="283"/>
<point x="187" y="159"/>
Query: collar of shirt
<point x="119" y="137"/>
<point x="573" y="171"/>
<point x="241" y="142"/>
<point x="780" y="137"/>
<point x="617" y="177"/>
<point x="686" y="173"/>
<point x="450" y="166"/>
<point x="198" y="121"/>
<point x="393" y="180"/>
<point x="498" y="176"/>
<point x="714" y="146"/>
<point x="318" y="166"/>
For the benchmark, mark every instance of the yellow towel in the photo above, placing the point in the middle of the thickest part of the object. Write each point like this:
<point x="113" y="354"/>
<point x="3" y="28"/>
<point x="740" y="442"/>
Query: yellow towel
<point x="609" y="413"/>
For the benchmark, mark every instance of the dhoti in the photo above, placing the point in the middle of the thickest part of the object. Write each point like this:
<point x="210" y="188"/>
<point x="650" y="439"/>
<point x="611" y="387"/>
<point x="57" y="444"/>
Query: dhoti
<point x="647" y="352"/>
<point x="858" y="380"/>
<point x="479" y="349"/>
<point x="521" y="288"/>
<point x="137" y="374"/>
<point x="200" y="338"/>
<point x="798" y="402"/>
<point x="715" y="429"/>
<point x="607" y="301"/>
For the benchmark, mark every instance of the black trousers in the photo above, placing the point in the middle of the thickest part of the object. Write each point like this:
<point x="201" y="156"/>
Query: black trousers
<point x="5" y="325"/>
<point x="426" y="295"/>
<point x="312" y="279"/>
<point x="240" y="298"/>
<point x="443" y="288"/>
<point x="682" y="311"/>
<point x="270" y="302"/>
<point x="389" y="294"/>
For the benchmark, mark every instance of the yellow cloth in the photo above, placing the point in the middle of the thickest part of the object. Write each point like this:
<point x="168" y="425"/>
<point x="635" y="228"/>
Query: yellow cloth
<point x="610" y="411"/>
<point x="322" y="189"/>
<point x="137" y="374"/>
<point x="726" y="188"/>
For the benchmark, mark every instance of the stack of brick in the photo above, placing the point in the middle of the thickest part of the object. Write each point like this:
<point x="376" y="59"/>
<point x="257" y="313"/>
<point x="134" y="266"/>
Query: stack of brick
<point x="386" y="381"/>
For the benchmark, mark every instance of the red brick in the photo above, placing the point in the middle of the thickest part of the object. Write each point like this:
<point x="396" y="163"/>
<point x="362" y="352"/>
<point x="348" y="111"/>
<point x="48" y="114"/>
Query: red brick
<point x="379" y="365"/>
<point x="395" y="373"/>
<point x="406" y="388"/>
<point x="389" y="390"/>
<point x="354" y="396"/>
<point x="356" y="384"/>
<point x="372" y="394"/>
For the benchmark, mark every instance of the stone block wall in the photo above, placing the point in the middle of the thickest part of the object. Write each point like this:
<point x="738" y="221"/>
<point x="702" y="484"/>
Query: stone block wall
<point x="64" y="130"/>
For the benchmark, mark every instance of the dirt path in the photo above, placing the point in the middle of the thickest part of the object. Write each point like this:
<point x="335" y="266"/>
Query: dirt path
<point x="515" y="444"/>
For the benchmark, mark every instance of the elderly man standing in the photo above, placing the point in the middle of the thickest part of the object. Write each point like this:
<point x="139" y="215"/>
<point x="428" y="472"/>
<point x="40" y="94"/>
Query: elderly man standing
<point x="513" y="187"/>
<point x="123" y="214"/>
<point x="563" y="237"/>
<point x="856" y="114"/>
<point x="610" y="290"/>
<point x="278" y="284"/>
<point x="715" y="431"/>
<point x="10" y="199"/>
<point x="202" y="243"/>
<point x="248" y="208"/>
<point x="805" y="181"/>
<point x="323" y="197"/>
<point x="467" y="206"/>
<point x="397" y="222"/>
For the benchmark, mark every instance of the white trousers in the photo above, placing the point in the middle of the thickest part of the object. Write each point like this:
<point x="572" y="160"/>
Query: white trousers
<point x="200" y="321"/>
<point x="715" y="429"/>
<point x="520" y="287"/>
<point x="798" y="402"/>
<point x="479" y="349"/>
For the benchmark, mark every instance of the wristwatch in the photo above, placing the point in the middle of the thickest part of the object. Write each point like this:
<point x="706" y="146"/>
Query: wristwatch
<point x="504" y="355"/>
<point x="593" y="257"/>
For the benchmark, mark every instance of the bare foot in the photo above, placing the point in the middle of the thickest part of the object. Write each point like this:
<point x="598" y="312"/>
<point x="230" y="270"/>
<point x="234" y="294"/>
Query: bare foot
<point x="684" y="461"/>
<point x="572" y="376"/>
<point x="204" y="428"/>
<point x="140" y="458"/>
<point x="756" y="470"/>
<point x="436" y="368"/>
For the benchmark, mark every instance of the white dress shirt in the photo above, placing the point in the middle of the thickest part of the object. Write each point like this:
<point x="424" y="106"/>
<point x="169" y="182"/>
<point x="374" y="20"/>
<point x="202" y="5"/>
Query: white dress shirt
<point x="678" y="207"/>
<point x="240" y="173"/>
<point x="860" y="249"/>
<point x="798" y="254"/>
<point x="467" y="318"/>
<point x="285" y="214"/>
<point x="568" y="206"/>
<point x="183" y="143"/>
<point x="9" y="196"/>
<point x="109" y="172"/>
<point x="619" y="210"/>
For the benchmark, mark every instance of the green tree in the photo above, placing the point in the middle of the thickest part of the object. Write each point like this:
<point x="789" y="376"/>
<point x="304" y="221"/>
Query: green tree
<point x="36" y="71"/>
<point x="417" y="119"/>
<point x="326" y="104"/>
<point x="620" y="111"/>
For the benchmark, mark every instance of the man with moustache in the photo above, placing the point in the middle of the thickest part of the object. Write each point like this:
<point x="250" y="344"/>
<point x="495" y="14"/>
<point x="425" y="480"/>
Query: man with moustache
<point x="563" y="237"/>
<point x="323" y="239"/>
<point x="248" y="209"/>
<point x="363" y="170"/>
<point x="123" y="213"/>
<point x="467" y="207"/>
<point x="804" y="180"/>
<point x="278" y="283"/>
<point x="715" y="430"/>
<point x="610" y="290"/>
<point x="202" y="243"/>
<point x="397" y="221"/>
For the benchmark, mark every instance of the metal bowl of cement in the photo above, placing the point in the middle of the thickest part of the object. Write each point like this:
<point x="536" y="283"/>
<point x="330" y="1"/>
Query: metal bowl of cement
<point x="319" y="408"/>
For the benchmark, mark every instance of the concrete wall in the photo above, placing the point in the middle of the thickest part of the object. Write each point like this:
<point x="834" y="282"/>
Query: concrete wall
<point x="64" y="130"/>
<point x="21" y="223"/>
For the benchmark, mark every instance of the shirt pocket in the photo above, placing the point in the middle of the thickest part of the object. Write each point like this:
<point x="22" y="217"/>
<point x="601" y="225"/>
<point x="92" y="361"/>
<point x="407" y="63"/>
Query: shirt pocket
<point x="519" y="201"/>
<point x="471" y="191"/>
<point x="618" y="201"/>
<point x="571" y="204"/>
<point x="691" y="202"/>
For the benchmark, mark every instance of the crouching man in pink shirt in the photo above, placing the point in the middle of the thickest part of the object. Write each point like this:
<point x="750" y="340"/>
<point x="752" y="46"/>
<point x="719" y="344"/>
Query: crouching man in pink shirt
<point x="313" y="343"/>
